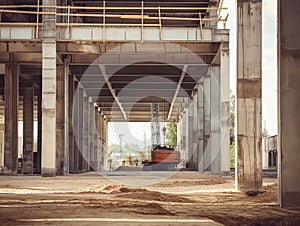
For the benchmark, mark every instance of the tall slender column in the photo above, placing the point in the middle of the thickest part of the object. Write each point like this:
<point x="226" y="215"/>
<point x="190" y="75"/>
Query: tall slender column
<point x="225" y="114"/>
<point x="39" y="135"/>
<point x="249" y="105"/>
<point x="207" y="125"/>
<point x="71" y="133"/>
<point x="289" y="104"/>
<point x="215" y="135"/>
<point x="28" y="102"/>
<point x="195" y="130"/>
<point x="60" y="120"/>
<point x="200" y="127"/>
<point x="49" y="91"/>
<point x="11" y="118"/>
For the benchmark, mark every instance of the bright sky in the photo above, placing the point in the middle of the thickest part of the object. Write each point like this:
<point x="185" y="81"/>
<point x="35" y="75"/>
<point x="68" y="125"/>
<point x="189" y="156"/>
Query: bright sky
<point x="134" y="132"/>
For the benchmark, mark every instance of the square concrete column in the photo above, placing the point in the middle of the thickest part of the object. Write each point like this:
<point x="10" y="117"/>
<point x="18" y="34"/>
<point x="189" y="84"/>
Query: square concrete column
<point x="28" y="102"/>
<point x="60" y="132"/>
<point x="190" y="131"/>
<point x="249" y="105"/>
<point x="225" y="103"/>
<point x="39" y="135"/>
<point x="195" y="131"/>
<point x="49" y="91"/>
<point x="200" y="127"/>
<point x="85" y="148"/>
<point x="71" y="133"/>
<point x="289" y="104"/>
<point x="215" y="135"/>
<point x="207" y="124"/>
<point x="11" y="95"/>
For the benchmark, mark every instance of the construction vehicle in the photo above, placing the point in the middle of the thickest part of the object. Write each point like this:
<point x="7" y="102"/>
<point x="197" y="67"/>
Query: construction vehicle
<point x="162" y="157"/>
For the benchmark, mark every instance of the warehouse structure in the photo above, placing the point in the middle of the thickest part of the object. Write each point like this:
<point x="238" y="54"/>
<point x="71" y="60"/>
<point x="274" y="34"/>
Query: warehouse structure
<point x="73" y="66"/>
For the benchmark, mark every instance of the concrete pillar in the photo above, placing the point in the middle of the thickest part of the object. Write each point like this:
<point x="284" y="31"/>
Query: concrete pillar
<point x="91" y="124"/>
<point x="190" y="134"/>
<point x="105" y="163"/>
<point x="95" y="140"/>
<point x="11" y="119"/>
<point x="195" y="130"/>
<point x="85" y="150"/>
<point x="225" y="113"/>
<point x="215" y="136"/>
<point x="60" y="120"/>
<point x="28" y="102"/>
<point x="289" y="104"/>
<point x="200" y="126"/>
<point x="249" y="105"/>
<point x="207" y="124"/>
<point x="39" y="135"/>
<point x="49" y="91"/>
<point x="78" y="115"/>
<point x="71" y="133"/>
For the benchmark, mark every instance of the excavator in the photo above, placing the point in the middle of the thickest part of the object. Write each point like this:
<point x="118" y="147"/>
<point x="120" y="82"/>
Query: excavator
<point x="162" y="157"/>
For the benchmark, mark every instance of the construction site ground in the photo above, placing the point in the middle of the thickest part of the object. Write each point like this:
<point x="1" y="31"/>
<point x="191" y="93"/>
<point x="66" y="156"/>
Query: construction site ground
<point x="138" y="198"/>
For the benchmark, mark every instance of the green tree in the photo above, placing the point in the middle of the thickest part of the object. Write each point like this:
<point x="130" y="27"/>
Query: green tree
<point x="171" y="134"/>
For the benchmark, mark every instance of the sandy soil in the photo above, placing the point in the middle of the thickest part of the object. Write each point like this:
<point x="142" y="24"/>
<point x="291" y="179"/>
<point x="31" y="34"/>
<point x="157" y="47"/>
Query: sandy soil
<point x="182" y="199"/>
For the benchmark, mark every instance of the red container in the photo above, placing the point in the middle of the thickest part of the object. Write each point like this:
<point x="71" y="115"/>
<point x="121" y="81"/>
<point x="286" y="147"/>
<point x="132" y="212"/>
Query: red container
<point x="165" y="156"/>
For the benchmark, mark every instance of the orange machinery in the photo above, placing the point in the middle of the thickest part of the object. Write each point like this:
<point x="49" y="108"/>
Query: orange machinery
<point x="162" y="158"/>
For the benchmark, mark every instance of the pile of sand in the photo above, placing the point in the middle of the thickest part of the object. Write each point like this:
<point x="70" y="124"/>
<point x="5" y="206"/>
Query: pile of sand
<point x="136" y="193"/>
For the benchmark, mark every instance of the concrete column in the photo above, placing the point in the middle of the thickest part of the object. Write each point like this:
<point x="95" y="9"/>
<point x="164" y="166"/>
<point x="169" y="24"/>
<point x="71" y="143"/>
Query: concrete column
<point x="95" y="139"/>
<point x="78" y="115"/>
<point x="39" y="154"/>
<point x="49" y="91"/>
<point x="71" y="133"/>
<point x="85" y="150"/>
<point x="207" y="125"/>
<point x="200" y="127"/>
<point x="11" y="118"/>
<point x="91" y="124"/>
<point x="289" y="104"/>
<point x="28" y="102"/>
<point x="225" y="103"/>
<point x="190" y="134"/>
<point x="195" y="130"/>
<point x="60" y="136"/>
<point x="105" y="164"/>
<point x="215" y="135"/>
<point x="249" y="106"/>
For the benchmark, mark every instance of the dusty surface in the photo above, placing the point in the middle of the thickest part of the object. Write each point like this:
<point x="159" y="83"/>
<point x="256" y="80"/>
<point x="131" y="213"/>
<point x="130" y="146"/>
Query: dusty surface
<point x="182" y="199"/>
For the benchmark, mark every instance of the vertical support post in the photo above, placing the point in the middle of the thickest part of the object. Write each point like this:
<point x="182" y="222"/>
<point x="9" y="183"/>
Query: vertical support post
<point x="289" y="104"/>
<point x="207" y="124"/>
<point x="225" y="103"/>
<point x="215" y="135"/>
<point x="28" y="102"/>
<point x="142" y="28"/>
<point x="200" y="127"/>
<point x="60" y="133"/>
<point x="249" y="105"/>
<point x="160" y="25"/>
<point x="104" y="25"/>
<point x="71" y="129"/>
<point x="195" y="131"/>
<point x="49" y="91"/>
<point x="39" y="154"/>
<point x="11" y="119"/>
<point x="66" y="118"/>
<point x="85" y="128"/>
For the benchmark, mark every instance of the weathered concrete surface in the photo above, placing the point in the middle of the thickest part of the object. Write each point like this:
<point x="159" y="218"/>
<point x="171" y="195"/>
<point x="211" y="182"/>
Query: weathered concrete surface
<point x="60" y="120"/>
<point x="207" y="124"/>
<point x="225" y="114"/>
<point x="11" y="118"/>
<point x="200" y="126"/>
<point x="215" y="135"/>
<point x="49" y="92"/>
<point x="249" y="105"/>
<point x="289" y="104"/>
<point x="28" y="128"/>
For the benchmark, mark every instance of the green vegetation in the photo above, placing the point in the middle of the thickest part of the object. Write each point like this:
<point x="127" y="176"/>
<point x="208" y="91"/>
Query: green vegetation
<point x="171" y="134"/>
<point x="232" y="155"/>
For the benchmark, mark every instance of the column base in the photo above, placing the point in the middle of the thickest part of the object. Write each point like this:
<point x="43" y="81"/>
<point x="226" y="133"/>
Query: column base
<point x="47" y="172"/>
<point x="290" y="199"/>
<point x="6" y="171"/>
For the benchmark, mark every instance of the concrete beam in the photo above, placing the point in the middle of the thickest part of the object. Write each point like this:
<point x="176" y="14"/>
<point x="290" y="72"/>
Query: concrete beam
<point x="289" y="104"/>
<point x="249" y="105"/>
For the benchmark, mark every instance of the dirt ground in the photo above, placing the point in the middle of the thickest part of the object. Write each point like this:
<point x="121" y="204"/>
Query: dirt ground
<point x="184" y="198"/>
